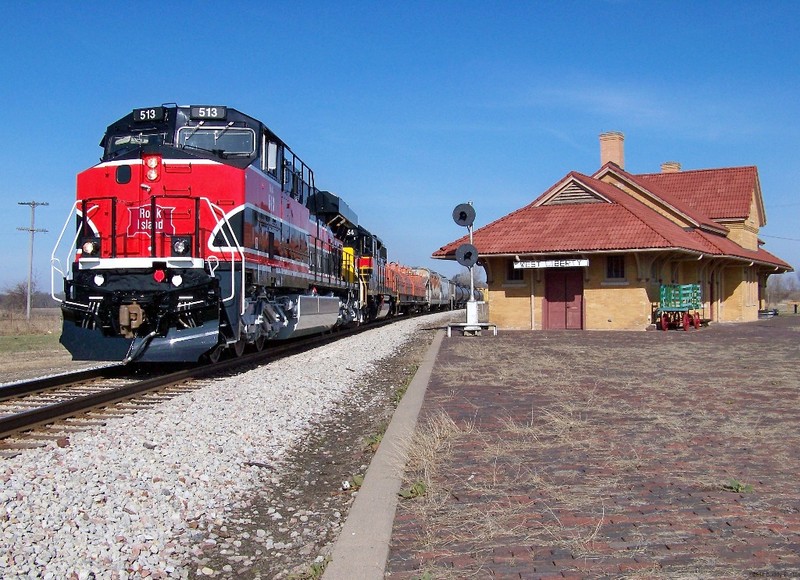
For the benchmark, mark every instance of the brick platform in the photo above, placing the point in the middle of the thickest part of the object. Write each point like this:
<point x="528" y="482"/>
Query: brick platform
<point x="610" y="454"/>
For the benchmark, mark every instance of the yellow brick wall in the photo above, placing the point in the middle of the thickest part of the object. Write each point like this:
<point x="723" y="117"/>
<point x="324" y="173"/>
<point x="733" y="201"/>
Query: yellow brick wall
<point x="617" y="305"/>
<point x="744" y="235"/>
<point x="607" y="305"/>
<point x="510" y="308"/>
<point x="616" y="308"/>
<point x="739" y="296"/>
<point x="509" y="301"/>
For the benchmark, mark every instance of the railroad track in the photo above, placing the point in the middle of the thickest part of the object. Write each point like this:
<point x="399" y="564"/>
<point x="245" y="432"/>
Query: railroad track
<point x="48" y="408"/>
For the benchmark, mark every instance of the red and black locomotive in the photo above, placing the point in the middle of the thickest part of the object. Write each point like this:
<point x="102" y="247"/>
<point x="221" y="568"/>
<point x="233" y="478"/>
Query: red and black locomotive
<point x="200" y="230"/>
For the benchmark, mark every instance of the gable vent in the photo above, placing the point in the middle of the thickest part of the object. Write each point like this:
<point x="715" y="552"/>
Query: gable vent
<point x="573" y="193"/>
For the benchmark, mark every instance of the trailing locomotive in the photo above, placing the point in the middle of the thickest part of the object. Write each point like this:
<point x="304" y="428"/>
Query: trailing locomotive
<point x="200" y="230"/>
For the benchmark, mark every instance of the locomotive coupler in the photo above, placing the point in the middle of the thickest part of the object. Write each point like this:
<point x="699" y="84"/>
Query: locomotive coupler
<point x="131" y="317"/>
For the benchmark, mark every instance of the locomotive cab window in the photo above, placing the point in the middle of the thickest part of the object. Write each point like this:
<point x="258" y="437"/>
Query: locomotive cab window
<point x="225" y="140"/>
<point x="118" y="144"/>
<point x="269" y="157"/>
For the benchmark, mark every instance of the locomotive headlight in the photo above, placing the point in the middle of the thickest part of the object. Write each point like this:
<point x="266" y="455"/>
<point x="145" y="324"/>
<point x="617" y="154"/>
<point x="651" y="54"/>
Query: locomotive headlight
<point x="152" y="174"/>
<point x="181" y="245"/>
<point x="99" y="280"/>
<point x="177" y="280"/>
<point x="90" y="248"/>
<point x="151" y="162"/>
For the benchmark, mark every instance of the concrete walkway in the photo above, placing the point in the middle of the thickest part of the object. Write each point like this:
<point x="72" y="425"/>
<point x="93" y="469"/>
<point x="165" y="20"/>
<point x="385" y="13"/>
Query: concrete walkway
<point x="363" y="545"/>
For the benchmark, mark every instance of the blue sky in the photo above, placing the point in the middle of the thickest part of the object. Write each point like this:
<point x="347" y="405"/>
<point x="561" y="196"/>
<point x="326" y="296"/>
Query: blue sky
<point x="407" y="109"/>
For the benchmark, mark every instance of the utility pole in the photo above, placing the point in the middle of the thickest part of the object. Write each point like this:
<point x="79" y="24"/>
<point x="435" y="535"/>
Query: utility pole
<point x="33" y="232"/>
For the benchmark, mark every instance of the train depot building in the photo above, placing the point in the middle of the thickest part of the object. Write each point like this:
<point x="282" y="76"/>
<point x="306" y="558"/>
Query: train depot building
<point x="593" y="251"/>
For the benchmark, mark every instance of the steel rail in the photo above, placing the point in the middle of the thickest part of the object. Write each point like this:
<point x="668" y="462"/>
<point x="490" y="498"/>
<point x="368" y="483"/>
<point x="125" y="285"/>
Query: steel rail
<point x="26" y="387"/>
<point x="25" y="420"/>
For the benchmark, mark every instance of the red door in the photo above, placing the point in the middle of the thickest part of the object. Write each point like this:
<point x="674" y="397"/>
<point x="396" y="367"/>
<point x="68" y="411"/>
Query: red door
<point x="563" y="300"/>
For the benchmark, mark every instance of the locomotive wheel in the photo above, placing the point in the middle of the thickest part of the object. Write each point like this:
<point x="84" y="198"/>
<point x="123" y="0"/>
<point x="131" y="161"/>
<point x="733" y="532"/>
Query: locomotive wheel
<point x="238" y="347"/>
<point x="259" y="343"/>
<point x="685" y="321"/>
<point x="696" y="321"/>
<point x="664" y="322"/>
<point x="214" y="355"/>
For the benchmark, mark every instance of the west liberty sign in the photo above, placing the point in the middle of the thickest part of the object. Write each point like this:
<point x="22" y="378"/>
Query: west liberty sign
<point x="142" y="218"/>
<point x="576" y="263"/>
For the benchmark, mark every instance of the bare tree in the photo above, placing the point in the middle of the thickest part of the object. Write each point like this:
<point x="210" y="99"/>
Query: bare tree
<point x="782" y="288"/>
<point x="16" y="296"/>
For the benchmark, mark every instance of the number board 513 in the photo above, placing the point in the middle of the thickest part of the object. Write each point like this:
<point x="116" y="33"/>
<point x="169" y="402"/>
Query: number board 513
<point x="150" y="114"/>
<point x="205" y="112"/>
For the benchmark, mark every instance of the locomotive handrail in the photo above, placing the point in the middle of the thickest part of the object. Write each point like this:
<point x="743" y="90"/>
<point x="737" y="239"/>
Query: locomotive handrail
<point x="54" y="260"/>
<point x="222" y="220"/>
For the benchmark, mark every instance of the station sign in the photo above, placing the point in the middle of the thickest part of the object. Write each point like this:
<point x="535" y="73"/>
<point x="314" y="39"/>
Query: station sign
<point x="572" y="263"/>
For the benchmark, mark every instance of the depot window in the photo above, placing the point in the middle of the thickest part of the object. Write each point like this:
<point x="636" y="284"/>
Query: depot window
<point x="615" y="268"/>
<point x="514" y="274"/>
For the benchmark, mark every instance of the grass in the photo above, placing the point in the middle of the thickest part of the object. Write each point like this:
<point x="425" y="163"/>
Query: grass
<point x="737" y="486"/>
<point x="373" y="441"/>
<point x="40" y="333"/>
<point x="28" y="343"/>
<point x="314" y="572"/>
<point x="489" y="506"/>
<point x="401" y="390"/>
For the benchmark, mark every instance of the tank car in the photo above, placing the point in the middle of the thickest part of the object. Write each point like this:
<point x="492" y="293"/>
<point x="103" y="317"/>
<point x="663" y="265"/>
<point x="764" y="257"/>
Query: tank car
<point x="200" y="230"/>
<point x="438" y="289"/>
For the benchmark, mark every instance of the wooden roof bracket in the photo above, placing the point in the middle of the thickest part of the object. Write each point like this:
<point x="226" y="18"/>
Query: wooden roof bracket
<point x="585" y="270"/>
<point x="660" y="261"/>
<point x="644" y="265"/>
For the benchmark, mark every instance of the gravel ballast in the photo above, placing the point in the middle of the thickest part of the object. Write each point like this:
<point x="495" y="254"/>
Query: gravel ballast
<point x="135" y="498"/>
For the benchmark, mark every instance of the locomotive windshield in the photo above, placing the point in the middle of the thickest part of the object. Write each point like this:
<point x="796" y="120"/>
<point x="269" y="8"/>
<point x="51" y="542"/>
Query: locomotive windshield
<point x="224" y="141"/>
<point x="118" y="144"/>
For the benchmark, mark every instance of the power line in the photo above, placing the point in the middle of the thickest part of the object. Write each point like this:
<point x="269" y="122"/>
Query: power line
<point x="33" y="231"/>
<point x="779" y="238"/>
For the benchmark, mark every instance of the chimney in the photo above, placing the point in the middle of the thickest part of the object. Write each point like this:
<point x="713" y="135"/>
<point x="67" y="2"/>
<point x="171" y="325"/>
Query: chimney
<point x="670" y="167"/>
<point x="612" y="148"/>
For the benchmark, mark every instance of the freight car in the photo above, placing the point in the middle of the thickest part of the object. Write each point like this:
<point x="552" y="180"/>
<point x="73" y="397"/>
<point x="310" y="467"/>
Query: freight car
<point x="201" y="231"/>
<point x="442" y="293"/>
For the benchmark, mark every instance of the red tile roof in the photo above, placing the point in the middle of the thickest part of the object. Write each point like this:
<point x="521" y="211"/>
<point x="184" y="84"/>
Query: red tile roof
<point x="718" y="193"/>
<point x="662" y="192"/>
<point x="615" y="222"/>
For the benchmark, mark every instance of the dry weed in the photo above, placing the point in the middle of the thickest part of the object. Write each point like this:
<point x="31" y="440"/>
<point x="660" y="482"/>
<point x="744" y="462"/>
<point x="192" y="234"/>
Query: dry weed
<point x="42" y="321"/>
<point x="429" y="443"/>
